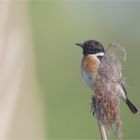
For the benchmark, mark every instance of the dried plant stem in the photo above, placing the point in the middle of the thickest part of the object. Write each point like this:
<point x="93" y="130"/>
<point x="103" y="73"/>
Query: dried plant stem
<point x="102" y="130"/>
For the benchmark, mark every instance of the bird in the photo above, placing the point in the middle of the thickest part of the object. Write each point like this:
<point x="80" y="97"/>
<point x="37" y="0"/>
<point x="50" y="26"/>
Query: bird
<point x="93" y="52"/>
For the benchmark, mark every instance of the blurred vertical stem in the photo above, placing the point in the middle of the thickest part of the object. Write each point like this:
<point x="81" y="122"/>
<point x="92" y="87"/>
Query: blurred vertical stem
<point x="21" y="104"/>
<point x="4" y="14"/>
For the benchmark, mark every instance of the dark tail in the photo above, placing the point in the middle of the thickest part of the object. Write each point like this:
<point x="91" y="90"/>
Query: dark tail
<point x="133" y="109"/>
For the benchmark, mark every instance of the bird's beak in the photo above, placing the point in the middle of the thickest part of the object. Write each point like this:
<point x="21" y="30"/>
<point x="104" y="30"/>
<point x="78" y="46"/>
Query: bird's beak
<point x="79" y="44"/>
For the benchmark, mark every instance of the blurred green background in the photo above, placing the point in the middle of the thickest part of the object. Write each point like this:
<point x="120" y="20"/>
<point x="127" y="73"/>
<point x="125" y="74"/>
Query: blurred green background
<point x="56" y="27"/>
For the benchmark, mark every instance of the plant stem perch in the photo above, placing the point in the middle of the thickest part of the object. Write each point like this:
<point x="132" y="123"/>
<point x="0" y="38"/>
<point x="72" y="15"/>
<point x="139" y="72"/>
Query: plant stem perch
<point x="102" y="130"/>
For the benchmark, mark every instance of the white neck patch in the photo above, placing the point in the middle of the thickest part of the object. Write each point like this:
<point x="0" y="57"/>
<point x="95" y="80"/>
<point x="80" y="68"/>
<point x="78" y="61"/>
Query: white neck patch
<point x="97" y="54"/>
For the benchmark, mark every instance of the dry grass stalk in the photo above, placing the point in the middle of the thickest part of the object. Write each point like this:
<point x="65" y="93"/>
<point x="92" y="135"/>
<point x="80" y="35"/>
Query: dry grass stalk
<point x="105" y="102"/>
<point x="102" y="130"/>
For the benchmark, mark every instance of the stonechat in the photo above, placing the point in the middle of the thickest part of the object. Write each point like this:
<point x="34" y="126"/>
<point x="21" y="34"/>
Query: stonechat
<point x="93" y="52"/>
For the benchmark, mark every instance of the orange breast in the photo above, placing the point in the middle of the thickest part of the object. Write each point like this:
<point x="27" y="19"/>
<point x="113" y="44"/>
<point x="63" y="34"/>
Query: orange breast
<point x="90" y="64"/>
<point x="89" y="68"/>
